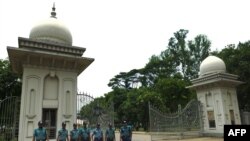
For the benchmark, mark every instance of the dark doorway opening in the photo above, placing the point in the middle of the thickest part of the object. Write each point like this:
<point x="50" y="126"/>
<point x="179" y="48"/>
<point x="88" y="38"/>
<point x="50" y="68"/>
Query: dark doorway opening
<point x="50" y="117"/>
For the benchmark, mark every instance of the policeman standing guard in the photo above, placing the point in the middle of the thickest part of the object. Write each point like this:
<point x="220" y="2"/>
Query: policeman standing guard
<point x="74" y="134"/>
<point x="97" y="133"/>
<point x="40" y="133"/>
<point x="84" y="133"/>
<point x="125" y="132"/>
<point x="63" y="133"/>
<point x="110" y="133"/>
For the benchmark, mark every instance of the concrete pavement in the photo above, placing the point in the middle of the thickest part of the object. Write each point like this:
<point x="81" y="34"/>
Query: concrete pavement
<point x="199" y="139"/>
<point x="144" y="136"/>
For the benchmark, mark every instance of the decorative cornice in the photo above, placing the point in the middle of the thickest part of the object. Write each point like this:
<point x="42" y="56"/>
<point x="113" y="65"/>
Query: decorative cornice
<point x="215" y="79"/>
<point x="51" y="47"/>
<point x="30" y="116"/>
<point x="20" y="57"/>
<point x="215" y="76"/>
<point x="67" y="116"/>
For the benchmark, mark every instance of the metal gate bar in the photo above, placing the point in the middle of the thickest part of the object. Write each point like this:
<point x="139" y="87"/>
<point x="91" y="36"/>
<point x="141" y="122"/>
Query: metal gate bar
<point x="9" y="118"/>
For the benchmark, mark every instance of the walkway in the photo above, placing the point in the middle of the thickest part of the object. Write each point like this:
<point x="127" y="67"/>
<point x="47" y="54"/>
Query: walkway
<point x="143" y="136"/>
<point x="199" y="139"/>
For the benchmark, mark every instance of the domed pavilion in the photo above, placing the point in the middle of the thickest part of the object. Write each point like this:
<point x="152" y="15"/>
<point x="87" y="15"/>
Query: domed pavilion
<point x="216" y="90"/>
<point x="49" y="66"/>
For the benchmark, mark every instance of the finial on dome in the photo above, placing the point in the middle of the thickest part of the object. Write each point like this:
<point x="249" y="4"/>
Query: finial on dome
<point x="53" y="13"/>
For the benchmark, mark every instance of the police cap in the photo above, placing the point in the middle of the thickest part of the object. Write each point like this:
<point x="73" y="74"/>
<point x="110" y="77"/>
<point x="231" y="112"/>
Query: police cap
<point x="63" y="123"/>
<point x="40" y="123"/>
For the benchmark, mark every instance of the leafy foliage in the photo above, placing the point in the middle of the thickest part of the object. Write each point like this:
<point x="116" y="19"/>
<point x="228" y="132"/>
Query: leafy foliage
<point x="163" y="80"/>
<point x="10" y="84"/>
<point x="173" y="91"/>
<point x="237" y="62"/>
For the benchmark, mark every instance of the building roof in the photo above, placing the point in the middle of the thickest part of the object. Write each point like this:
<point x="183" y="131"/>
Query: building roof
<point x="51" y="30"/>
<point x="48" y="46"/>
<point x="212" y="64"/>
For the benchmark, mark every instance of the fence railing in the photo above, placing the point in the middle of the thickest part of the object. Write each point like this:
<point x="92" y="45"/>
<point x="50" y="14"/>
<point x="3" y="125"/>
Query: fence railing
<point x="245" y="117"/>
<point x="186" y="120"/>
<point x="9" y="118"/>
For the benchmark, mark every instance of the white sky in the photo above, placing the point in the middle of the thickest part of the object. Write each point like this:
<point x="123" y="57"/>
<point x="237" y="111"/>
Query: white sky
<point x="123" y="34"/>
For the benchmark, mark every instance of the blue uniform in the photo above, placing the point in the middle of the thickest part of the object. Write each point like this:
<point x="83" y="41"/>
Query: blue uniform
<point x="40" y="134"/>
<point x="62" y="134"/>
<point x="74" y="135"/>
<point x="98" y="135"/>
<point x="125" y="133"/>
<point x="85" y="134"/>
<point x="110" y="134"/>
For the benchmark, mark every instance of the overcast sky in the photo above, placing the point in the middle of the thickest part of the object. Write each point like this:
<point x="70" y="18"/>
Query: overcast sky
<point x="123" y="34"/>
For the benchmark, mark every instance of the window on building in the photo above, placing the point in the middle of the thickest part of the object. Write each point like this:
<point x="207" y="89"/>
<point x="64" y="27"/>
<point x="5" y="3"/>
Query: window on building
<point x="211" y="119"/>
<point x="232" y="116"/>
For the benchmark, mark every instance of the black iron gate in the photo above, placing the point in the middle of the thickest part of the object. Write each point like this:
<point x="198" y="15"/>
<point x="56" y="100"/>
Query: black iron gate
<point x="96" y="113"/>
<point x="83" y="99"/>
<point x="107" y="116"/>
<point x="9" y="118"/>
<point x="186" y="121"/>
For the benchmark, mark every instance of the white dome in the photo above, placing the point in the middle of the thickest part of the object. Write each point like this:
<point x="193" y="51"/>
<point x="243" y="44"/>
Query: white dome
<point x="51" y="30"/>
<point x="212" y="64"/>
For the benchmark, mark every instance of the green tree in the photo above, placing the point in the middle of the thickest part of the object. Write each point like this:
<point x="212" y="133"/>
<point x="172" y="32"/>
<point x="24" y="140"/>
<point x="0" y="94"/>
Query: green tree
<point x="162" y="66"/>
<point x="10" y="84"/>
<point x="117" y="96"/>
<point x="93" y="110"/>
<point x="237" y="62"/>
<point x="146" y="96"/>
<point x="173" y="92"/>
<point x="128" y="106"/>
<point x="181" y="56"/>
<point x="199" y="50"/>
<point x="178" y="49"/>
<point x="162" y="81"/>
<point x="87" y="112"/>
<point x="125" y="80"/>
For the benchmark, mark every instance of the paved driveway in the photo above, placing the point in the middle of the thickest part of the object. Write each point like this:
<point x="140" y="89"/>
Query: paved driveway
<point x="200" y="139"/>
<point x="147" y="137"/>
<point x="136" y="137"/>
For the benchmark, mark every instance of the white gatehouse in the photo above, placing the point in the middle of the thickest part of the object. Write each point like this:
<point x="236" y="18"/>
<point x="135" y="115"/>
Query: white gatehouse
<point x="216" y="90"/>
<point x="49" y="65"/>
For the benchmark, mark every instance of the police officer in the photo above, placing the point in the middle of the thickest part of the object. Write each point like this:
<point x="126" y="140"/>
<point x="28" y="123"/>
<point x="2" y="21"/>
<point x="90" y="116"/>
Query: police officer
<point x="74" y="134"/>
<point x="63" y="133"/>
<point x="110" y="133"/>
<point x="40" y="133"/>
<point x="84" y="133"/>
<point x="125" y="132"/>
<point x="97" y="133"/>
